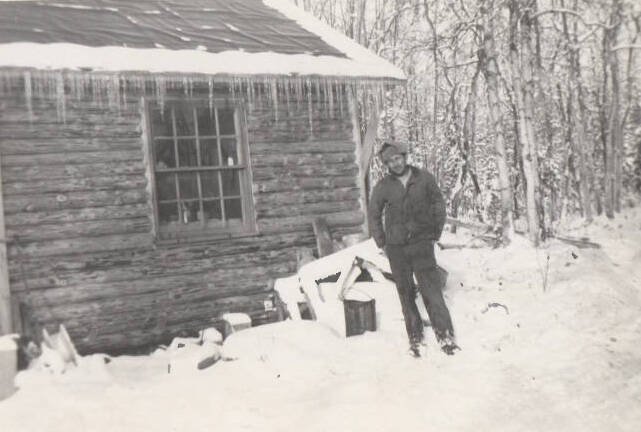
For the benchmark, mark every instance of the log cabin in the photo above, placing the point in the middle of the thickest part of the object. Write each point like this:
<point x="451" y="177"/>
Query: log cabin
<point x="161" y="161"/>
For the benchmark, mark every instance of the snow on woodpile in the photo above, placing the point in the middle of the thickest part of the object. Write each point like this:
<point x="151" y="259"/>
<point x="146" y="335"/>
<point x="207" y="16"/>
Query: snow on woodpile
<point x="241" y="38"/>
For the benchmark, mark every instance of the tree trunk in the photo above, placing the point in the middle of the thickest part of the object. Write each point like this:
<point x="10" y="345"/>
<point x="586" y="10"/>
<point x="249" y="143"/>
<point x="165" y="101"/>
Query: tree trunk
<point x="577" y="120"/>
<point x="433" y="22"/>
<point x="489" y="67"/>
<point x="521" y="59"/>
<point x="613" y="139"/>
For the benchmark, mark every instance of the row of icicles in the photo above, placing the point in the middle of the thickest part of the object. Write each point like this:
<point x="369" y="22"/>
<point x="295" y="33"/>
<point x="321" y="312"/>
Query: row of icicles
<point x="114" y="89"/>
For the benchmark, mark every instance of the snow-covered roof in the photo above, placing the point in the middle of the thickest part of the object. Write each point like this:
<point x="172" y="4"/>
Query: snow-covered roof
<point x="241" y="37"/>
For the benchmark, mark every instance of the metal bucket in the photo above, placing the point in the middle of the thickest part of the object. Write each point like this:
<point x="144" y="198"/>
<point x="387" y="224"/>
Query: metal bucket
<point x="360" y="316"/>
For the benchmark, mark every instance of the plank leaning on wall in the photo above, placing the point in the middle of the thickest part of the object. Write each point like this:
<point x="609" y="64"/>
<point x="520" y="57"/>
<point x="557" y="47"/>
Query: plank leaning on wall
<point x="5" y="290"/>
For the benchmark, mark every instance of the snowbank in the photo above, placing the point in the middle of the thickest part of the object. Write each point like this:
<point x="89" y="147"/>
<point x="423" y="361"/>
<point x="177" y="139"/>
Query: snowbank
<point x="549" y="345"/>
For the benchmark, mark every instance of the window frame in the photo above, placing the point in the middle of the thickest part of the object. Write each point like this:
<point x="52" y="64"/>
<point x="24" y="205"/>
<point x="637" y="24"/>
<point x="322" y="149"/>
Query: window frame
<point x="249" y="226"/>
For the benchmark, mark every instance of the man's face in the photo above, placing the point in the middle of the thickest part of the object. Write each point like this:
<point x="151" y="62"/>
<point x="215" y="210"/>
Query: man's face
<point x="396" y="163"/>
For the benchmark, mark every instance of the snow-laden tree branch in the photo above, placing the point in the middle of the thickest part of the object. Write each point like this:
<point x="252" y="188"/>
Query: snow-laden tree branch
<point x="626" y="46"/>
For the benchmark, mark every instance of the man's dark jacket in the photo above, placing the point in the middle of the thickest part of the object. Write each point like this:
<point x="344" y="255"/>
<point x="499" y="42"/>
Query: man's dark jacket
<point x="412" y="213"/>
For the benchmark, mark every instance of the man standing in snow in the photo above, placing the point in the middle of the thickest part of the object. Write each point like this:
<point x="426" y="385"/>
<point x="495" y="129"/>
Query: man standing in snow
<point x="414" y="217"/>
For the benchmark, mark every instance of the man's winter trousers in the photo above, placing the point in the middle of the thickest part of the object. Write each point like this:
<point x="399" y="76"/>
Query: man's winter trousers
<point x="418" y="259"/>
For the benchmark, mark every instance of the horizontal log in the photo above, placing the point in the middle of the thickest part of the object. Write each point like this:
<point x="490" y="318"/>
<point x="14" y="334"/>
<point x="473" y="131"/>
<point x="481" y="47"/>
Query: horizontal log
<point x="154" y="315"/>
<point x="321" y="208"/>
<point x="307" y="197"/>
<point x="15" y="131"/>
<point x="445" y="246"/>
<point x="68" y="145"/>
<point x="118" y="313"/>
<point x="73" y="200"/>
<point x="266" y="116"/>
<point x="85" y="113"/>
<point x="116" y="266"/>
<point x="149" y="310"/>
<point x="293" y="132"/>
<point x="79" y="229"/>
<point x="73" y="158"/>
<point x="167" y="318"/>
<point x="289" y="184"/>
<point x="288" y="160"/>
<point x="303" y="223"/>
<point x="16" y="100"/>
<point x="26" y="173"/>
<point x="94" y="284"/>
<point x="40" y="186"/>
<point x="171" y="286"/>
<point x="232" y="248"/>
<point x="251" y="302"/>
<point x="81" y="246"/>
<point x="99" y="329"/>
<point x="155" y="322"/>
<point x="122" y="334"/>
<point x="581" y="243"/>
<point x="271" y="172"/>
<point x="306" y="147"/>
<point x="125" y="211"/>
<point x="469" y="225"/>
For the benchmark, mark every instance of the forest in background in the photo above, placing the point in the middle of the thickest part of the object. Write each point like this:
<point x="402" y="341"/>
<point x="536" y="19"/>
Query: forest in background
<point x="526" y="111"/>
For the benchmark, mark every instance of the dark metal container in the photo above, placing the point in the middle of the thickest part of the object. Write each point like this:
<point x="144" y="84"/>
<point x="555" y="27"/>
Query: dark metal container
<point x="360" y="316"/>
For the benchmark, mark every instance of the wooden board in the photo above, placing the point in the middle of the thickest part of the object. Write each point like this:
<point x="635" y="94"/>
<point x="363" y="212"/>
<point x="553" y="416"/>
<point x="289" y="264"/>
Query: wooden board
<point x="6" y="321"/>
<point x="324" y="245"/>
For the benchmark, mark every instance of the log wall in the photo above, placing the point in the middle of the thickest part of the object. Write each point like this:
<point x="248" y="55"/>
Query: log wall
<point x="78" y="217"/>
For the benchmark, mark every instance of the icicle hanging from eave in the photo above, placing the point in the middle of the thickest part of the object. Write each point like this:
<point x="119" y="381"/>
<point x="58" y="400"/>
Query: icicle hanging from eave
<point x="61" y="102"/>
<point x="28" y="94"/>
<point x="275" y="96"/>
<point x="210" y="93"/>
<point x="339" y="92"/>
<point x="310" y="109"/>
<point x="286" y="85"/>
<point x="114" y="88"/>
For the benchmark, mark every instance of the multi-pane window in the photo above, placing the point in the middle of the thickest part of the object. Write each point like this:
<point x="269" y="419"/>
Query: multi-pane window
<point x="200" y="167"/>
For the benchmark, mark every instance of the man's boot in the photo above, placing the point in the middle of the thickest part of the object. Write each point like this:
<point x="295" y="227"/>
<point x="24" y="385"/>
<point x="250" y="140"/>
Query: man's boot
<point x="448" y="346"/>
<point x="416" y="343"/>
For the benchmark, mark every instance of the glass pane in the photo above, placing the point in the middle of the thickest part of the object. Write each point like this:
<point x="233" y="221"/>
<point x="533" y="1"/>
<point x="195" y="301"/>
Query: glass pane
<point x="229" y="150"/>
<point x="188" y="183"/>
<point x="166" y="186"/>
<point x="233" y="210"/>
<point x="161" y="122"/>
<point x="165" y="155"/>
<point x="209" y="181"/>
<point x="226" y="121"/>
<point x="206" y="121"/>
<point x="184" y="120"/>
<point x="167" y="213"/>
<point x="190" y="212"/>
<point x="213" y="213"/>
<point x="187" y="155"/>
<point x="208" y="152"/>
<point x="231" y="182"/>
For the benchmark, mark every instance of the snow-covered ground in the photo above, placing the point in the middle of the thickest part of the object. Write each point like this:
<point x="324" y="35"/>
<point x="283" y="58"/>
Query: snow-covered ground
<point x="547" y="345"/>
